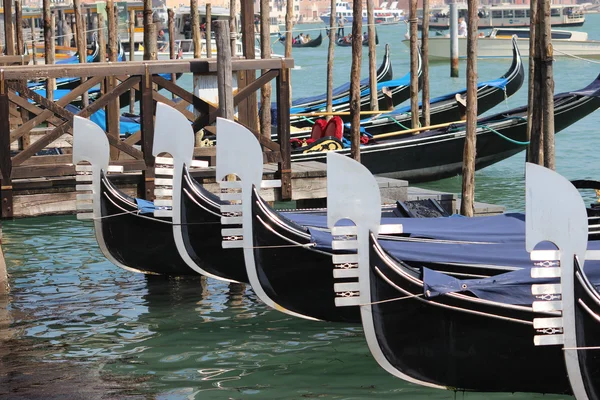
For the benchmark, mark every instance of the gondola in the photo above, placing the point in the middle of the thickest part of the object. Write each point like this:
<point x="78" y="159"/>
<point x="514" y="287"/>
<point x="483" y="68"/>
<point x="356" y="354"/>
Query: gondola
<point x="384" y="73"/>
<point x="449" y="107"/>
<point x="197" y="213"/>
<point x="127" y="237"/>
<point x="437" y="154"/>
<point x="340" y="41"/>
<point x="456" y="340"/>
<point x="316" y="42"/>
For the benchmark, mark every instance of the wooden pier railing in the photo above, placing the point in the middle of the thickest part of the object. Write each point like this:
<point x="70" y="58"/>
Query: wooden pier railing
<point x="24" y="112"/>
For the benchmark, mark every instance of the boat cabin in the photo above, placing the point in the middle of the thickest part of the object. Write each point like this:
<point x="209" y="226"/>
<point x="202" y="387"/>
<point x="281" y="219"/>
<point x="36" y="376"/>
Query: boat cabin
<point x="522" y="33"/>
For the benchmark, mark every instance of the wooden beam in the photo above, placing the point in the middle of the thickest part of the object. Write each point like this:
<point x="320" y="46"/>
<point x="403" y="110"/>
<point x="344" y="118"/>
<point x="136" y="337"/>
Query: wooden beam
<point x="147" y="111"/>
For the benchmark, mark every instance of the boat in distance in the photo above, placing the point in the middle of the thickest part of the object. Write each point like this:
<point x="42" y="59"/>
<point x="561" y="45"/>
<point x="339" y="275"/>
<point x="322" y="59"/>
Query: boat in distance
<point x="506" y="16"/>
<point x="498" y="44"/>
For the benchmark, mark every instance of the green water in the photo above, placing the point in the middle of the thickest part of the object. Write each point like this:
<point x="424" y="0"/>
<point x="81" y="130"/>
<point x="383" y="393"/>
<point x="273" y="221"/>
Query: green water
<point x="129" y="336"/>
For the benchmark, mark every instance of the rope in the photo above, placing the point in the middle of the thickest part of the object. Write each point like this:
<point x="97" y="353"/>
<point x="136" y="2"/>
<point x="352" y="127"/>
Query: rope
<point x="390" y="118"/>
<point x="412" y="296"/>
<point x="503" y="136"/>
<point x="577" y="57"/>
<point x="309" y="120"/>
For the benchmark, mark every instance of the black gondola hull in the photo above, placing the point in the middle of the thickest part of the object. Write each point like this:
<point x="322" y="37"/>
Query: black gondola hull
<point x="456" y="341"/>
<point x="144" y="244"/>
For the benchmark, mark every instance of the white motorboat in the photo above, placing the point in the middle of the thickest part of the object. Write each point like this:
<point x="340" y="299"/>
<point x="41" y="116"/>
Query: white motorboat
<point x="498" y="44"/>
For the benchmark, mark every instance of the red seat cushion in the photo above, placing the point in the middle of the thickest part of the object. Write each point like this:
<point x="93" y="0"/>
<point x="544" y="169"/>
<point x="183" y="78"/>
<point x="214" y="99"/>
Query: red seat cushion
<point x="317" y="130"/>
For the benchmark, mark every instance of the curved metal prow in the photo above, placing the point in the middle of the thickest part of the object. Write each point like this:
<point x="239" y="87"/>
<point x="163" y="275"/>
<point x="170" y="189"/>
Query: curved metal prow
<point x="91" y="144"/>
<point x="240" y="154"/>
<point x="556" y="213"/>
<point x="353" y="194"/>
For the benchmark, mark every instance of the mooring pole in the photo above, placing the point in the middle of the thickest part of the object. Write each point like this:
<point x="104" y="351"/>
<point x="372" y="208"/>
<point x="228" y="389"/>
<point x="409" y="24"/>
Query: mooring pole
<point x="19" y="27"/>
<point x="172" y="56"/>
<point x="355" y="79"/>
<point x="196" y="37"/>
<point x="536" y="153"/>
<point x="414" y="64"/>
<point x="372" y="57"/>
<point x="425" y="60"/>
<point x="224" y="70"/>
<point x="547" y="83"/>
<point x="289" y="20"/>
<point x="33" y="48"/>
<point x="112" y="109"/>
<point x="531" y="137"/>
<point x="233" y="27"/>
<point x="330" y="51"/>
<point x="48" y="48"/>
<point x="149" y="32"/>
<point x="467" y="203"/>
<point x="208" y="32"/>
<point x="265" y="52"/>
<point x="3" y="272"/>
<point x="81" y="42"/>
<point x="60" y="28"/>
<point x="454" y="40"/>
<point x="9" y="38"/>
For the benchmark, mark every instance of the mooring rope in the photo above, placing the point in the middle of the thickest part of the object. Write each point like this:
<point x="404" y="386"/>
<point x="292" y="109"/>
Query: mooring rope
<point x="577" y="57"/>
<point x="412" y="296"/>
<point x="504" y="136"/>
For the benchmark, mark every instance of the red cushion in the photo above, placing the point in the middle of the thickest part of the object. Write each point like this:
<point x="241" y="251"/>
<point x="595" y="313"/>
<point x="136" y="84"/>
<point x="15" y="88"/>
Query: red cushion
<point x="317" y="129"/>
<point x="335" y="128"/>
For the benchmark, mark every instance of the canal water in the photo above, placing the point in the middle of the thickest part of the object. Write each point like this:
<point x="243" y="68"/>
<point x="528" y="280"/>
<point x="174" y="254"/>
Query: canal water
<point x="76" y="326"/>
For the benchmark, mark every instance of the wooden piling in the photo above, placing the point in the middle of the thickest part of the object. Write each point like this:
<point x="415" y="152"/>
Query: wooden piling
<point x="547" y="83"/>
<point x="372" y="56"/>
<point x="3" y="271"/>
<point x="48" y="53"/>
<point x="425" y="106"/>
<point x="531" y="79"/>
<point x="112" y="109"/>
<point x="81" y="43"/>
<point x="330" y="54"/>
<point x="453" y="39"/>
<point x="355" y="79"/>
<point x="132" y="56"/>
<point x="265" y="52"/>
<point x="149" y="32"/>
<point x="172" y="55"/>
<point x="19" y="27"/>
<point x="196" y="28"/>
<point x="224" y="70"/>
<point x="9" y="38"/>
<point x="414" y="64"/>
<point x="101" y="37"/>
<point x="233" y="28"/>
<point x="536" y="146"/>
<point x="60" y="28"/>
<point x="208" y="32"/>
<point x="467" y="203"/>
<point x="248" y="108"/>
<point x="33" y="49"/>
<point x="289" y="15"/>
<point x="94" y="30"/>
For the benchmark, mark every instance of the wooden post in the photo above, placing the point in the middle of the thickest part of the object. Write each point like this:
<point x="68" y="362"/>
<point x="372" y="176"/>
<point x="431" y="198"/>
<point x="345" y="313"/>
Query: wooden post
<point x="33" y="48"/>
<point x="208" y="33"/>
<point x="48" y="53"/>
<point x="94" y="29"/>
<point x="6" y="192"/>
<point x="467" y="203"/>
<point x="248" y="109"/>
<point x="9" y="39"/>
<point x="172" y="56"/>
<point x="531" y="137"/>
<point x="81" y="43"/>
<point x="233" y="29"/>
<point x="355" y="79"/>
<point x="547" y="83"/>
<point x="147" y="111"/>
<point x="132" y="56"/>
<point x="101" y="37"/>
<point x="224" y="70"/>
<point x="112" y="109"/>
<point x="414" y="64"/>
<point x="454" y="40"/>
<point x="283" y="132"/>
<point x="149" y="32"/>
<point x="60" y="28"/>
<point x="372" y="56"/>
<point x="265" y="52"/>
<point x="425" y="107"/>
<point x="289" y="20"/>
<point x="196" y="28"/>
<point x="536" y="153"/>
<point x="19" y="27"/>
<point x="330" y="54"/>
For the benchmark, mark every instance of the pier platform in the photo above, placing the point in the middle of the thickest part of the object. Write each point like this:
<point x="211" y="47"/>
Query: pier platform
<point x="55" y="195"/>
